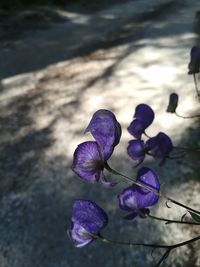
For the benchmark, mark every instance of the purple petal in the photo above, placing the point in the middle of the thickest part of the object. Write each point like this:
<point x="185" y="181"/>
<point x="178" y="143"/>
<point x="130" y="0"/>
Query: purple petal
<point x="148" y="178"/>
<point x="145" y="114"/>
<point x="88" y="163"/>
<point x="136" y="199"/>
<point x="106" y="131"/>
<point x="128" y="199"/>
<point x="136" y="128"/>
<point x="89" y="215"/>
<point x="159" y="146"/>
<point x="79" y="235"/>
<point x="136" y="150"/>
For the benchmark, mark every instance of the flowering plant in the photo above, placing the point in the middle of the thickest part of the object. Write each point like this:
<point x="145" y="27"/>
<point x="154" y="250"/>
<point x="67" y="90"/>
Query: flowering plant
<point x="91" y="159"/>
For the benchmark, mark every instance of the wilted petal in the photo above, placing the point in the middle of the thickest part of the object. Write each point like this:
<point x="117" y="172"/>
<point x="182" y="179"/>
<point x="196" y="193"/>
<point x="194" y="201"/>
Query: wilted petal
<point x="173" y="103"/>
<point x="136" y="128"/>
<point x="136" y="150"/>
<point x="87" y="220"/>
<point x="88" y="163"/>
<point x="159" y="146"/>
<point x="145" y="114"/>
<point x="106" y="130"/>
<point x="194" y="65"/>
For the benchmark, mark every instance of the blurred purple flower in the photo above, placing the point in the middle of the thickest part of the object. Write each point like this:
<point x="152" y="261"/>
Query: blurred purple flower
<point x="90" y="157"/>
<point x="144" y="116"/>
<point x="87" y="220"/>
<point x="194" y="65"/>
<point x="159" y="146"/>
<point x="136" y="199"/>
<point x="136" y="150"/>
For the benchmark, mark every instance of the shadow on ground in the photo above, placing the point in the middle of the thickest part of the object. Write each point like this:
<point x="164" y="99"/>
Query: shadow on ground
<point x="100" y="31"/>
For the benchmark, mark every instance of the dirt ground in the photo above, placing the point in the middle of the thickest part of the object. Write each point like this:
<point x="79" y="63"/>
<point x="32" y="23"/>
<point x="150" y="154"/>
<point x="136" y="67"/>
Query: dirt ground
<point x="52" y="80"/>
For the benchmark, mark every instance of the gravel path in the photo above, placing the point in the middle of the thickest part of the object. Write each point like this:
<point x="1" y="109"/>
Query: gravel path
<point x="135" y="52"/>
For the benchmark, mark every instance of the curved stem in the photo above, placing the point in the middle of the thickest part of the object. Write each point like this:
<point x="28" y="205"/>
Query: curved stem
<point x="167" y="221"/>
<point x="187" y="117"/>
<point x="149" y="189"/>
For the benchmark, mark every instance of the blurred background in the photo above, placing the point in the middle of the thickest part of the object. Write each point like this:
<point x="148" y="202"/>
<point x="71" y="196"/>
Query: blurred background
<point x="60" y="61"/>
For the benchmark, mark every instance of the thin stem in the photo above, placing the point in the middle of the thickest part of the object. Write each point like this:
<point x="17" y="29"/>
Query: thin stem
<point x="149" y="189"/>
<point x="130" y="244"/>
<point x="167" y="221"/>
<point x="164" y="256"/>
<point x="187" y="117"/>
<point x="131" y="180"/>
<point x="182" y="205"/>
<point x="196" y="86"/>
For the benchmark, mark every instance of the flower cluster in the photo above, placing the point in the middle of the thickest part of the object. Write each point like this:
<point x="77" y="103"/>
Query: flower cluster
<point x="159" y="146"/>
<point x="90" y="160"/>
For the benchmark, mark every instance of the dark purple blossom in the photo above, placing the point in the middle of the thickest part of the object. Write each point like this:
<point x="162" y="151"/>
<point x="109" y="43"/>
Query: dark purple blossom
<point x="159" y="146"/>
<point x="91" y="157"/>
<point x="173" y="103"/>
<point x="136" y="199"/>
<point x="106" y="130"/>
<point x="87" y="220"/>
<point x="144" y="116"/>
<point x="136" y="150"/>
<point x="194" y="65"/>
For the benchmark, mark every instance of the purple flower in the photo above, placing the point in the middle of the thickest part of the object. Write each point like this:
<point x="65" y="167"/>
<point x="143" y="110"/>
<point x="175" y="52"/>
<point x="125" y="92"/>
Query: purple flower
<point x="136" y="199"/>
<point x="106" y="130"/>
<point x="87" y="220"/>
<point x="144" y="116"/>
<point x="136" y="150"/>
<point x="90" y="157"/>
<point x="159" y="146"/>
<point x="194" y="65"/>
<point x="173" y="103"/>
